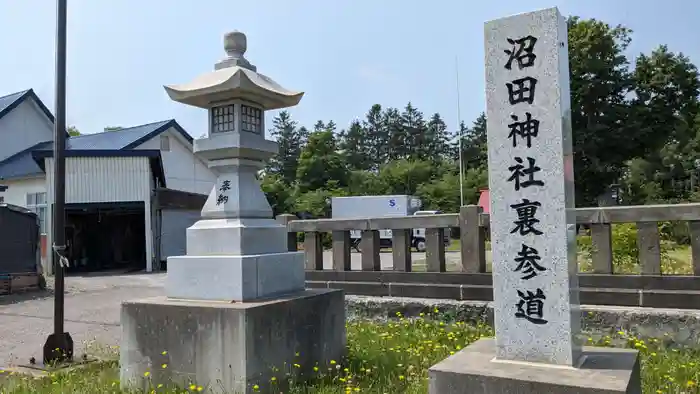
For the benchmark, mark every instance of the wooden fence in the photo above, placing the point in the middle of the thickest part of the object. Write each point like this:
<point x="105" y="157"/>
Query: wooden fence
<point x="472" y="282"/>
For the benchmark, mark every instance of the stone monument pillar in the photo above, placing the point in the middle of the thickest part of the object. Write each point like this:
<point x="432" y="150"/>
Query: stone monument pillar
<point x="533" y="228"/>
<point x="236" y="311"/>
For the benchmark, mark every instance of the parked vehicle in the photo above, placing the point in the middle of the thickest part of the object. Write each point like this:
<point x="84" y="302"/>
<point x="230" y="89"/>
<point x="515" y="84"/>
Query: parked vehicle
<point x="358" y="207"/>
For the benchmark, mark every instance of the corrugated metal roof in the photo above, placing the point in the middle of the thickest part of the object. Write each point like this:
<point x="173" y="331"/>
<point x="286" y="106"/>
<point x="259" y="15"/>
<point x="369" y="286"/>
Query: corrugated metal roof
<point x="7" y="101"/>
<point x="126" y="138"/>
<point x="117" y="139"/>
<point x="11" y="101"/>
<point x="22" y="164"/>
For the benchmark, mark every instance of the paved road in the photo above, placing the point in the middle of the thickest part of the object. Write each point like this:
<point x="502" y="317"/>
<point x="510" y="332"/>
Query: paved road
<point x="92" y="310"/>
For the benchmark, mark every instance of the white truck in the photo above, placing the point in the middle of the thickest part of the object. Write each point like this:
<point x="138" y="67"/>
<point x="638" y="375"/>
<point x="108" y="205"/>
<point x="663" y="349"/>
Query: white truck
<point x="360" y="207"/>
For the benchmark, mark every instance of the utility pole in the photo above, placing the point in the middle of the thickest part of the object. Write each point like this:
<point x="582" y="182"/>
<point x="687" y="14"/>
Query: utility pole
<point x="59" y="345"/>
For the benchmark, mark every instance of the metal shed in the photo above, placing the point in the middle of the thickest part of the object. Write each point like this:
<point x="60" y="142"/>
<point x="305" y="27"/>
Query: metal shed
<point x="20" y="257"/>
<point x="19" y="240"/>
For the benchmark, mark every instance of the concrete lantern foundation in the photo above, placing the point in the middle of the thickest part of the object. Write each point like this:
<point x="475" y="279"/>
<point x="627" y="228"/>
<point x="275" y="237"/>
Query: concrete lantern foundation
<point x="474" y="371"/>
<point x="230" y="347"/>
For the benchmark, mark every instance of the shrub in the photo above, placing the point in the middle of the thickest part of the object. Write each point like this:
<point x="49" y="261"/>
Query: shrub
<point x="625" y="250"/>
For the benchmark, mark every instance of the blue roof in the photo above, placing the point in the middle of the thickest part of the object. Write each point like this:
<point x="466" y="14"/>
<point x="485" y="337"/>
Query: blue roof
<point x="11" y="101"/>
<point x="122" y="142"/>
<point x="22" y="164"/>
<point x="122" y="139"/>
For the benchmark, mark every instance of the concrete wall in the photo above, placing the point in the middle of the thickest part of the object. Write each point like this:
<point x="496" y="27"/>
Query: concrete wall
<point x="183" y="170"/>
<point x="23" y="127"/>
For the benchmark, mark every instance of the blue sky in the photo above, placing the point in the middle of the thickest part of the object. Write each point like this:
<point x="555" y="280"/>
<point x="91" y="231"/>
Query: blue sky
<point x="346" y="55"/>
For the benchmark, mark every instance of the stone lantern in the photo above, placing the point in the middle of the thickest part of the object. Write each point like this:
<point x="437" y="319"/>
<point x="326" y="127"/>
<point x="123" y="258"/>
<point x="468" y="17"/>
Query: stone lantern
<point x="236" y="311"/>
<point x="237" y="251"/>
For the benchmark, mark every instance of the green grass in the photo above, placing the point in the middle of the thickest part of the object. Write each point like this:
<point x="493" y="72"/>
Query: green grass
<point x="392" y="358"/>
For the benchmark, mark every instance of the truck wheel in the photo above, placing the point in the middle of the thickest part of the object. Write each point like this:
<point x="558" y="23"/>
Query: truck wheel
<point x="420" y="245"/>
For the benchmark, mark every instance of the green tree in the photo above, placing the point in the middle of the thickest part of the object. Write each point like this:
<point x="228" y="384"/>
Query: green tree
<point x="377" y="136"/>
<point x="279" y="194"/>
<point x="600" y="83"/>
<point x="73" y="131"/>
<point x="667" y="86"/>
<point x="391" y="121"/>
<point x="435" y="146"/>
<point x="290" y="139"/>
<point x="404" y="176"/>
<point x="474" y="148"/>
<point x="411" y="136"/>
<point x="354" y="145"/>
<point x="320" y="164"/>
<point x="443" y="193"/>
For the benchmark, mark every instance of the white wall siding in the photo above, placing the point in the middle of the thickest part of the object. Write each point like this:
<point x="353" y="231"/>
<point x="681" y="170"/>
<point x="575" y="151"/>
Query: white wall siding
<point x="173" y="230"/>
<point x="23" y="127"/>
<point x="183" y="170"/>
<point x="103" y="179"/>
<point x="18" y="189"/>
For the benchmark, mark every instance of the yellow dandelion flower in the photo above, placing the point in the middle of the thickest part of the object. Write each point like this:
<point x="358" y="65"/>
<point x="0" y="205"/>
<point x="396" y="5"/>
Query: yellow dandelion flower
<point x="146" y="374"/>
<point x="256" y="387"/>
<point x="164" y="366"/>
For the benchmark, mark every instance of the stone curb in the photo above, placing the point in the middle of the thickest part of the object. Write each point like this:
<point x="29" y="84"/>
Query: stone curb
<point x="680" y="327"/>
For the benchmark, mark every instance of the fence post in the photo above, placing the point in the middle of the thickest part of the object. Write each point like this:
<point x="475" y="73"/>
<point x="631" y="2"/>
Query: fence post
<point x="472" y="239"/>
<point x="435" y="249"/>
<point x="649" y="248"/>
<point x="284" y="220"/>
<point x="369" y="248"/>
<point x="602" y="254"/>
<point x="313" y="251"/>
<point x="694" y="226"/>
<point x="341" y="250"/>
<point x="401" y="249"/>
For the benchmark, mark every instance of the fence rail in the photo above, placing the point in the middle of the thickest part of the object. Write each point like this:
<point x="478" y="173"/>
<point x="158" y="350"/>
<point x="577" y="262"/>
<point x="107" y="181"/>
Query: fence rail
<point x="472" y="282"/>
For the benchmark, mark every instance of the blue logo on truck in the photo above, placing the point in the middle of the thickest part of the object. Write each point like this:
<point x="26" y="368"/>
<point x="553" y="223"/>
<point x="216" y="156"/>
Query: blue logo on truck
<point x="392" y="203"/>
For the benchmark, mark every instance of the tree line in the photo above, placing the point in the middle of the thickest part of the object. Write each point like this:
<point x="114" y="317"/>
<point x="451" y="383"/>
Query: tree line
<point x="635" y="123"/>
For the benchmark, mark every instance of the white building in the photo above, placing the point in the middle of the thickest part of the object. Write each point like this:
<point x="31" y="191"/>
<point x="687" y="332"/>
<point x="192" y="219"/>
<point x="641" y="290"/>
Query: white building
<point x="130" y="193"/>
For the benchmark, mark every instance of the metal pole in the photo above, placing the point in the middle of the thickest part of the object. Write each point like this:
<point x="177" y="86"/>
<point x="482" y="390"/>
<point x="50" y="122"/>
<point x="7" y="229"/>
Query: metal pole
<point x="59" y="345"/>
<point x="459" y="124"/>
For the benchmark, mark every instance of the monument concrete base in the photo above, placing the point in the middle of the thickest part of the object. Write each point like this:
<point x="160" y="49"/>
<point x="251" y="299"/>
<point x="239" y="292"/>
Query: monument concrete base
<point x="229" y="347"/>
<point x="474" y="371"/>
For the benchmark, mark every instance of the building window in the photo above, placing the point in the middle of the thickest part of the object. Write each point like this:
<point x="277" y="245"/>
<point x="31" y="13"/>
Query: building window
<point x="164" y="143"/>
<point x="251" y="119"/>
<point x="222" y="119"/>
<point x="36" y="202"/>
<point x="2" y="200"/>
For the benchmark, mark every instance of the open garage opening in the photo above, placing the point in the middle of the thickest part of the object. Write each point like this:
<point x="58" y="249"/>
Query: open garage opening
<point x="106" y="237"/>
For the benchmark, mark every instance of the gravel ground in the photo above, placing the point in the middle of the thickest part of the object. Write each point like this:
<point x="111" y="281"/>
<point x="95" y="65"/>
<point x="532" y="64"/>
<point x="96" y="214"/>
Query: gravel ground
<point x="91" y="314"/>
<point x="92" y="309"/>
